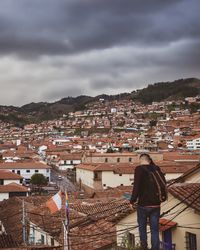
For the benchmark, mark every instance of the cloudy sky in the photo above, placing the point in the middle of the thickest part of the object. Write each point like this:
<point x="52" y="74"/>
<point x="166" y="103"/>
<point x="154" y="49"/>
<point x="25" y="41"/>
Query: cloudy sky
<point x="50" y="49"/>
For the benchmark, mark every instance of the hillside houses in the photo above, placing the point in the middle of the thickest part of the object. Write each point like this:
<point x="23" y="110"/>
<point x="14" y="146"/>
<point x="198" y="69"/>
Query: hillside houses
<point x="99" y="149"/>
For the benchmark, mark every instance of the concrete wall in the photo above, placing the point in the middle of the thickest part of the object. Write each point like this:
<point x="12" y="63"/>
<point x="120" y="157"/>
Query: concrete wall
<point x="6" y="182"/>
<point x="86" y="177"/>
<point x="4" y="196"/>
<point x="194" y="178"/>
<point x="171" y="176"/>
<point x="123" y="158"/>
<point x="114" y="180"/>
<point x="111" y="159"/>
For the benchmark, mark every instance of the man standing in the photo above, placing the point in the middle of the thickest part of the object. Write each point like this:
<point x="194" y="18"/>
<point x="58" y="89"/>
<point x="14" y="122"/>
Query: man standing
<point x="146" y="194"/>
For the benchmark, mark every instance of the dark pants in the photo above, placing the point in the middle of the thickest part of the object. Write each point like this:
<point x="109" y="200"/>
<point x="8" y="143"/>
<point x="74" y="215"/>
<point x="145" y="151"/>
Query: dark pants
<point x="153" y="214"/>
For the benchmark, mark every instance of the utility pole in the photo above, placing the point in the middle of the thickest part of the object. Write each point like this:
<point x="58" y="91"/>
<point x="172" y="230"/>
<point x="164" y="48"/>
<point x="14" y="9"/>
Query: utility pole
<point x="24" y="222"/>
<point x="65" y="221"/>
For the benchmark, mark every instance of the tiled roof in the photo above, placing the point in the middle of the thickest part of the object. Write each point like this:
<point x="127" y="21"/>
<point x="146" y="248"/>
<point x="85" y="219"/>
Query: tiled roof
<point x="171" y="156"/>
<point x="92" y="221"/>
<point x="96" y="235"/>
<point x="189" y="193"/>
<point x="111" y="209"/>
<point x="12" y="187"/>
<point x="8" y="175"/>
<point x="23" y="165"/>
<point x="128" y="168"/>
<point x="165" y="224"/>
<point x="118" y="167"/>
<point x="113" y="155"/>
<point x="116" y="192"/>
<point x="11" y="213"/>
<point x="71" y="157"/>
<point x="6" y="241"/>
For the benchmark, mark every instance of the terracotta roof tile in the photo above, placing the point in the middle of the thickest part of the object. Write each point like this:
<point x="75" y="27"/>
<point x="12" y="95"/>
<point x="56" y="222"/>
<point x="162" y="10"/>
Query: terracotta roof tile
<point x="23" y="165"/>
<point x="6" y="241"/>
<point x="12" y="187"/>
<point x="165" y="224"/>
<point x="8" y="175"/>
<point x="189" y="193"/>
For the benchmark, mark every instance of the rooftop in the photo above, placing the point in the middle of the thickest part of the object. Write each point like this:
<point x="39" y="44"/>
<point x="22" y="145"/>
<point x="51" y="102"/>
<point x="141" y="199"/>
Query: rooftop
<point x="8" y="175"/>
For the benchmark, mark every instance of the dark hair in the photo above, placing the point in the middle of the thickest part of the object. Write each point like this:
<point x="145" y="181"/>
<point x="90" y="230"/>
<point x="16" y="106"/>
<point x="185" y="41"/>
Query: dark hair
<point x="148" y="158"/>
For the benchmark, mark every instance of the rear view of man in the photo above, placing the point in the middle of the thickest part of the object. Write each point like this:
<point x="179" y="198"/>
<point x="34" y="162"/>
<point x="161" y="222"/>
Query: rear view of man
<point x="148" y="196"/>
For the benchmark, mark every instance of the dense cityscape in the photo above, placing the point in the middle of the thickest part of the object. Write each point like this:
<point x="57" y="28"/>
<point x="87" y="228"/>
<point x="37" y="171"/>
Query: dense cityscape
<point x="91" y="155"/>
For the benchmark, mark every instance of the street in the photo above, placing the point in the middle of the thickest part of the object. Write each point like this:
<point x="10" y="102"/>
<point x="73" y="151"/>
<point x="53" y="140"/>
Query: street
<point x="62" y="182"/>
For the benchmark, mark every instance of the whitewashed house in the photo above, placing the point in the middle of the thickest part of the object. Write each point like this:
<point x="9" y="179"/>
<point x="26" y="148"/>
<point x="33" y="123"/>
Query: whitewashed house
<point x="69" y="161"/>
<point x="102" y="176"/>
<point x="11" y="190"/>
<point x="7" y="177"/>
<point x="193" y="144"/>
<point x="27" y="169"/>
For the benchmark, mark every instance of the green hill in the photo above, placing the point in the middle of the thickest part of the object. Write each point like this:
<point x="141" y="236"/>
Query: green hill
<point x="168" y="91"/>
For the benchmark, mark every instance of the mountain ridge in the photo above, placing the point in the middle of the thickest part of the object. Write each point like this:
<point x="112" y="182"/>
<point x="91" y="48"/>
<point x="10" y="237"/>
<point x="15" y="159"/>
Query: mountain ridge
<point x="37" y="112"/>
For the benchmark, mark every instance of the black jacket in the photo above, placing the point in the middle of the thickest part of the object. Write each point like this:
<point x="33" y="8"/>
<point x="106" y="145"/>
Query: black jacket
<point x="143" y="189"/>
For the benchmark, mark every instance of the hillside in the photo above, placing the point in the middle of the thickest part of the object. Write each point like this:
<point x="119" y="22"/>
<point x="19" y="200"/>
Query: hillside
<point x="168" y="91"/>
<point x="37" y="112"/>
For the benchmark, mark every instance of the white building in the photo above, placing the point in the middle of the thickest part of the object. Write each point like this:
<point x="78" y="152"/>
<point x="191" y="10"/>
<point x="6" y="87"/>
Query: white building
<point x="69" y="161"/>
<point x="193" y="144"/>
<point x="39" y="237"/>
<point x="11" y="190"/>
<point x="27" y="169"/>
<point x="102" y="176"/>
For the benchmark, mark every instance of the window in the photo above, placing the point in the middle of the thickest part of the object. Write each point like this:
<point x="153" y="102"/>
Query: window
<point x="120" y="174"/>
<point x="36" y="171"/>
<point x="106" y="159"/>
<point x="130" y="159"/>
<point x="95" y="175"/>
<point x="118" y="159"/>
<point x="13" y="171"/>
<point x="1" y="182"/>
<point x="104" y="185"/>
<point x="52" y="242"/>
<point x="131" y="239"/>
<point x="47" y="170"/>
<point x="42" y="239"/>
<point x="191" y="241"/>
<point x="27" y="171"/>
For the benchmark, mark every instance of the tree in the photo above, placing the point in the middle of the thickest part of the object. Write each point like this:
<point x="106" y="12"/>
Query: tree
<point x="152" y="123"/>
<point x="38" y="180"/>
<point x="110" y="150"/>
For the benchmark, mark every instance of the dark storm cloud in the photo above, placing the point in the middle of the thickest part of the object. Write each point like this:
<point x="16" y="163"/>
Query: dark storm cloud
<point x="50" y="49"/>
<point x="51" y="27"/>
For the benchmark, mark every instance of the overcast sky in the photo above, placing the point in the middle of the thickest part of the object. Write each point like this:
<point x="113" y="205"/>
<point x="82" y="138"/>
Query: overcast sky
<point x="52" y="49"/>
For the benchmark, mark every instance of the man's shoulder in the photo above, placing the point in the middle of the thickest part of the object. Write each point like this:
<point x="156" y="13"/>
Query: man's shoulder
<point x="140" y="168"/>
